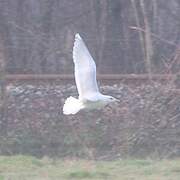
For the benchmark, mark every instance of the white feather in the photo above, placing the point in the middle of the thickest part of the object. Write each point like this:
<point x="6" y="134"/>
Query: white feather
<point x="72" y="106"/>
<point x="85" y="70"/>
<point x="85" y="77"/>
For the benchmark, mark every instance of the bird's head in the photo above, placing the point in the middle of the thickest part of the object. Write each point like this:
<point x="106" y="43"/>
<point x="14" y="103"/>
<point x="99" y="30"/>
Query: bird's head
<point x="110" y="99"/>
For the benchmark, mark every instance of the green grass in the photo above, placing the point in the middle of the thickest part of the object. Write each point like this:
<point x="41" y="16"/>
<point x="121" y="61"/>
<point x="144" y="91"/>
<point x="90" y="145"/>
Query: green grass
<point x="31" y="168"/>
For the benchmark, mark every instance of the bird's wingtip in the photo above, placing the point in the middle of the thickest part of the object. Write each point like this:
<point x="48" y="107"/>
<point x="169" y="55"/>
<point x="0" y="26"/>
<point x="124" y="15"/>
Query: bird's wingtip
<point x="77" y="36"/>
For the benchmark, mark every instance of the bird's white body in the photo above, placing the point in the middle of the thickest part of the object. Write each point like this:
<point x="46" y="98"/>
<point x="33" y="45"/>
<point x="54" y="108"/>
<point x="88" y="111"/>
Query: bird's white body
<point x="85" y="77"/>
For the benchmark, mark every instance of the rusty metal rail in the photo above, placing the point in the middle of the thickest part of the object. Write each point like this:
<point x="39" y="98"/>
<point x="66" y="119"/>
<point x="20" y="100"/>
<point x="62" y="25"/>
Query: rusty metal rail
<point x="132" y="79"/>
<point x="31" y="77"/>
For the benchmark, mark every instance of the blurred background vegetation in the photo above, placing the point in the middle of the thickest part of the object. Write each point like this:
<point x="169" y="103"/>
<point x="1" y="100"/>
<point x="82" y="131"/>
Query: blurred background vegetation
<point x="37" y="35"/>
<point x="124" y="37"/>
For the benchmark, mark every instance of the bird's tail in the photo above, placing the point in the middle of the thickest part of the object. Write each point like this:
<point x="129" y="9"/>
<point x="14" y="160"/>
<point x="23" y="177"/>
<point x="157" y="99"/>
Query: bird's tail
<point x="72" y="106"/>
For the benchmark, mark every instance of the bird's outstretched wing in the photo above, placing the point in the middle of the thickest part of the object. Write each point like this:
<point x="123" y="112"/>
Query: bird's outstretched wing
<point x="85" y="70"/>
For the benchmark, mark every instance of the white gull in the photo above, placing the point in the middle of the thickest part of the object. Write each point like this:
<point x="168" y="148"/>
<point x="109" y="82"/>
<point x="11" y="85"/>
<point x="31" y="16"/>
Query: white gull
<point x="85" y="77"/>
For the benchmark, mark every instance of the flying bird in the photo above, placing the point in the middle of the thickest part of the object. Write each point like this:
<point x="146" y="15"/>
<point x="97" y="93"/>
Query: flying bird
<point x="85" y="78"/>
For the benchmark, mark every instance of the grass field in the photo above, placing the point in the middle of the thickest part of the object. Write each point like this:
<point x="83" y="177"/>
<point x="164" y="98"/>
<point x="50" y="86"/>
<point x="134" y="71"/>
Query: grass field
<point x="30" y="168"/>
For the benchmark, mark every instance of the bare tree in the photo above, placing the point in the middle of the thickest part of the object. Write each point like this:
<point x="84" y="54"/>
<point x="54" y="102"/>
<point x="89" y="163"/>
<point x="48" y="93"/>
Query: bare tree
<point x="147" y="40"/>
<point x="3" y="96"/>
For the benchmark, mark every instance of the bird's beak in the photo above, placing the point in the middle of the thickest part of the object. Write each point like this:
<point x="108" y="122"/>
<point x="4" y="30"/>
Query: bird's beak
<point x="117" y="100"/>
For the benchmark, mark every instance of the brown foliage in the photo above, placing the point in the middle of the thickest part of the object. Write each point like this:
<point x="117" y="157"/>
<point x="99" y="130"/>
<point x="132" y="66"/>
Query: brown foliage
<point x="145" y="123"/>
